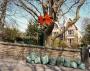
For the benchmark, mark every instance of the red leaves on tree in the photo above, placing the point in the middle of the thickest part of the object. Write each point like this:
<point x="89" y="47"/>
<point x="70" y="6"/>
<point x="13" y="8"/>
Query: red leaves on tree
<point x="45" y="20"/>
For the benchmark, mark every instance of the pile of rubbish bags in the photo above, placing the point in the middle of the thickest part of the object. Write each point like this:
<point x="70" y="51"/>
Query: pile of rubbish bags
<point x="35" y="58"/>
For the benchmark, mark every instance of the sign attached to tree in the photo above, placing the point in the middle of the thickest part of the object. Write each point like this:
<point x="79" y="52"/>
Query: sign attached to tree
<point x="45" y="20"/>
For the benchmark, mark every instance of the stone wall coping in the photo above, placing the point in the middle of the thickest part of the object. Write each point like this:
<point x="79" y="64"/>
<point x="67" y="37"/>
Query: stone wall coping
<point x="41" y="47"/>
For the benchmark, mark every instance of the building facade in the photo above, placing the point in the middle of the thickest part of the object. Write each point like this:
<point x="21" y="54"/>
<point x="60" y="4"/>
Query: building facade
<point x="72" y="36"/>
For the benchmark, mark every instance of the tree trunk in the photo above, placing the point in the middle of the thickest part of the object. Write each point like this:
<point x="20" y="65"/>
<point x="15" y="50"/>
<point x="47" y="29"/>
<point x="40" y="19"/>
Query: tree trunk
<point x="48" y="31"/>
<point x="48" y="36"/>
<point x="3" y="7"/>
<point x="3" y="13"/>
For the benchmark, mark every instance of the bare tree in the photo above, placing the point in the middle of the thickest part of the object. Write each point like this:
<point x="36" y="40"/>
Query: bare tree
<point x="86" y="31"/>
<point x="53" y="7"/>
<point x="3" y="7"/>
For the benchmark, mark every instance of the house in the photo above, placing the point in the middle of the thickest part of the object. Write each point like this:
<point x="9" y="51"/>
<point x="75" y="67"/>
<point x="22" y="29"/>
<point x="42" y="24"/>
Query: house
<point x="72" y="36"/>
<point x="56" y="29"/>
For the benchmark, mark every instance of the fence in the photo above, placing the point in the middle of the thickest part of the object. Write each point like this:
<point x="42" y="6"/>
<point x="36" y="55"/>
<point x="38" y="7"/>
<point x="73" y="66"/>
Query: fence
<point x="20" y="51"/>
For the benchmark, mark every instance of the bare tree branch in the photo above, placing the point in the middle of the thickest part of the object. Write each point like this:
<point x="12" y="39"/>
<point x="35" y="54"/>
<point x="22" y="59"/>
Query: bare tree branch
<point x="35" y="7"/>
<point x="60" y="3"/>
<point x="71" y="22"/>
<point x="22" y="6"/>
<point x="29" y="12"/>
<point x="27" y="5"/>
<point x="70" y="7"/>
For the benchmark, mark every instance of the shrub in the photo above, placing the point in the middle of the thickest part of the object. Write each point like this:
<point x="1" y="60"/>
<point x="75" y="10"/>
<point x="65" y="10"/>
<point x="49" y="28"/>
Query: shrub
<point x="30" y="41"/>
<point x="59" y="43"/>
<point x="10" y="34"/>
<point x="63" y="44"/>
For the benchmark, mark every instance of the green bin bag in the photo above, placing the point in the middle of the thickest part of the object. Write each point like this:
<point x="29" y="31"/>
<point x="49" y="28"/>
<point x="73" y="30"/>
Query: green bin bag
<point x="33" y="56"/>
<point x="67" y="63"/>
<point x="52" y="60"/>
<point x="28" y="59"/>
<point x="73" y="64"/>
<point x="37" y="60"/>
<point x="62" y="60"/>
<point x="82" y="66"/>
<point x="78" y="61"/>
<point x="45" y="59"/>
<point x="32" y="62"/>
<point x="58" y="60"/>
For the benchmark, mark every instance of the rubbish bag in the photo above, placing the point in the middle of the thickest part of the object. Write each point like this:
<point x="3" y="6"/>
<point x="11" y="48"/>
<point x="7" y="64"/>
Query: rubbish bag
<point x="52" y="60"/>
<point x="78" y="61"/>
<point x="45" y="59"/>
<point x="28" y="59"/>
<point x="82" y="66"/>
<point x="31" y="58"/>
<point x="33" y="55"/>
<point x="62" y="60"/>
<point x="32" y="62"/>
<point x="58" y="60"/>
<point x="37" y="60"/>
<point x="73" y="64"/>
<point x="67" y="63"/>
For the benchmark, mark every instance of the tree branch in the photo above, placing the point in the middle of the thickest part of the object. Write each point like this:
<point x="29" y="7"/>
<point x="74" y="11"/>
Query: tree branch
<point x="25" y="4"/>
<point x="60" y="3"/>
<point x="70" y="7"/>
<point x="31" y="13"/>
<point x="71" y="22"/>
<point x="35" y="7"/>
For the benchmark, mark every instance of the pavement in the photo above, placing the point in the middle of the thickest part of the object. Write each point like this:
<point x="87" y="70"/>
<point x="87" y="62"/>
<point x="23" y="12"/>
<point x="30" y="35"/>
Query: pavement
<point x="19" y="65"/>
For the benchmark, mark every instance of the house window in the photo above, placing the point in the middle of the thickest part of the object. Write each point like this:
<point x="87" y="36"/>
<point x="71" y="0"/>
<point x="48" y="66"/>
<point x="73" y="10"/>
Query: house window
<point x="70" y="41"/>
<point x="71" y="32"/>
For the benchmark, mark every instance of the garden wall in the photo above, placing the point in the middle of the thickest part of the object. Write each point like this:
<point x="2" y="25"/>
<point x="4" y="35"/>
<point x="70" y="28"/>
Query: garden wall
<point x="20" y="51"/>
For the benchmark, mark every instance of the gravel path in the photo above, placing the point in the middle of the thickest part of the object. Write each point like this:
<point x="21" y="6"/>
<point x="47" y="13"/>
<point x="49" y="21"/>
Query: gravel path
<point x="15" y="65"/>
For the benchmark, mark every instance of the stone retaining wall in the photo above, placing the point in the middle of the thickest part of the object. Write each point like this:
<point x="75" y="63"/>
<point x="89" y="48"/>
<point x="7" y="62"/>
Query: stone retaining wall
<point x="20" y="51"/>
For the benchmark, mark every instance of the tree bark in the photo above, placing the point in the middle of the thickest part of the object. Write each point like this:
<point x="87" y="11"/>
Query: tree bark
<point x="3" y="7"/>
<point x="3" y="13"/>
